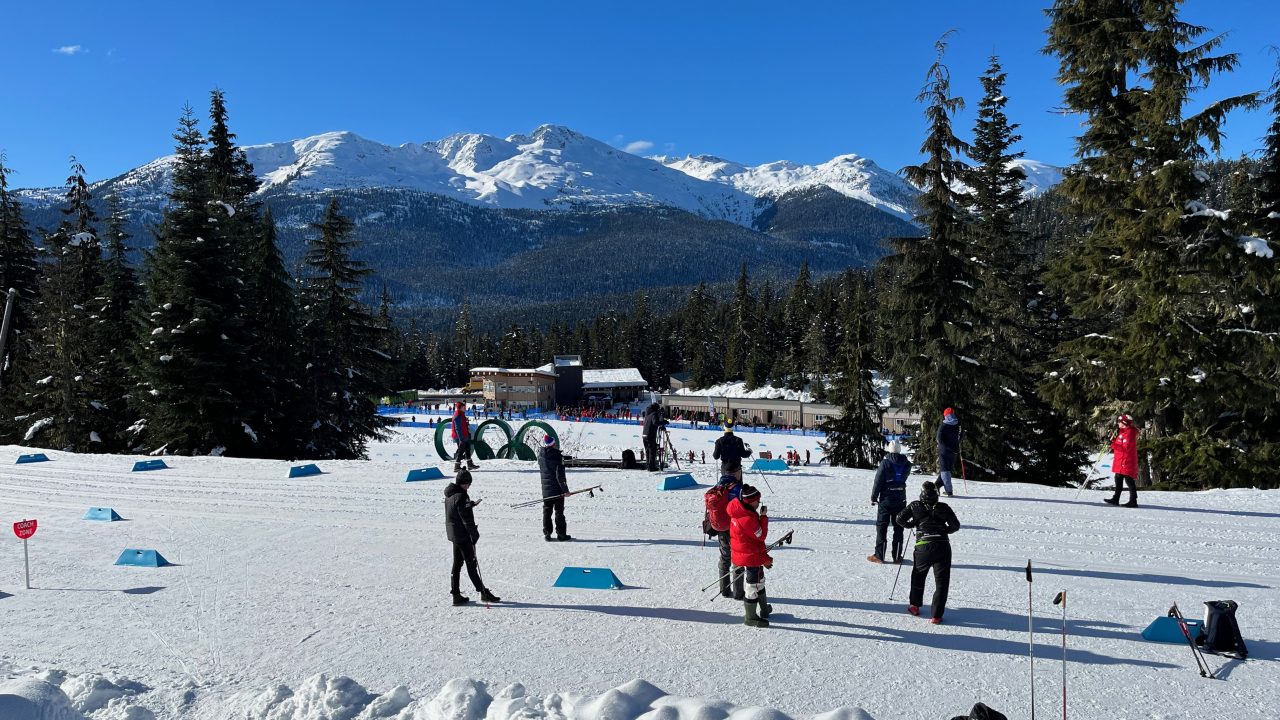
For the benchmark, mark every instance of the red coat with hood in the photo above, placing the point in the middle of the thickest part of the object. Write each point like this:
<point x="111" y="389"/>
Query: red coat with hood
<point x="1125" y="447"/>
<point x="747" y="531"/>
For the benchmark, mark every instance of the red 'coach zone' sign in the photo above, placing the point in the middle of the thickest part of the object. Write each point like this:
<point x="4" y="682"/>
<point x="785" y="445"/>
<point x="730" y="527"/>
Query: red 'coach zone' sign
<point x="24" y="529"/>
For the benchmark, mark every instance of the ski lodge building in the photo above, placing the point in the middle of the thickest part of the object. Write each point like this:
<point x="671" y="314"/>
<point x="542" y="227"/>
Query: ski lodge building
<point x="769" y="412"/>
<point x="563" y="382"/>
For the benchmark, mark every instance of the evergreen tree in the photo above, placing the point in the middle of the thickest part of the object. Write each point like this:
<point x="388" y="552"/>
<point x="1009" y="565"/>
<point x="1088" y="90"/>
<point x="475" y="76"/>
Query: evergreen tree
<point x="63" y="406"/>
<point x="741" y="323"/>
<point x="931" y="294"/>
<point x="20" y="272"/>
<point x="192" y="356"/>
<point x="853" y="438"/>
<point x="703" y="351"/>
<point x="342" y="338"/>
<point x="1155" y="279"/>
<point x="796" y="315"/>
<point x="116" y="298"/>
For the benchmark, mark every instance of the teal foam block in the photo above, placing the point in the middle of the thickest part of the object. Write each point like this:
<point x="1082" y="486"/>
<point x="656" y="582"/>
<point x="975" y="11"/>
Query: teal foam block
<point x="298" y="471"/>
<point x="774" y="465"/>
<point x="1166" y="630"/>
<point x="105" y="514"/>
<point x="431" y="473"/>
<point x="589" y="578"/>
<point x="142" y="465"/>
<point x="676" y="482"/>
<point x="141" y="558"/>
<point x="32" y="458"/>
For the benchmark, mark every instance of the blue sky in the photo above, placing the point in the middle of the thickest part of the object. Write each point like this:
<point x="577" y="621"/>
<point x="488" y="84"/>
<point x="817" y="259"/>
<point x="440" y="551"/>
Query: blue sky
<point x="748" y="80"/>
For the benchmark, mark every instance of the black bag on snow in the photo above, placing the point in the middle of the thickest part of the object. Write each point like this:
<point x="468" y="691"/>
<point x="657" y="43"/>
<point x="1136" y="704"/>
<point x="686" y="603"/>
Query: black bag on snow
<point x="981" y="712"/>
<point x="1221" y="633"/>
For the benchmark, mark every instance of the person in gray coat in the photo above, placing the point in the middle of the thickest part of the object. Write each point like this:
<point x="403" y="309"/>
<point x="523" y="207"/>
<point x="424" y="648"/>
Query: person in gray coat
<point x="554" y="487"/>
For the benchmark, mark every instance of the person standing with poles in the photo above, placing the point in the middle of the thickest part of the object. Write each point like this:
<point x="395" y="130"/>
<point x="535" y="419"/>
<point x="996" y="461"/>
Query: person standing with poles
<point x="555" y="487"/>
<point x="889" y="491"/>
<point x="460" y="528"/>
<point x="1125" y="462"/>
<point x="461" y="431"/>
<point x="653" y="422"/>
<point x="730" y="451"/>
<point x="948" y="448"/>
<point x="748" y="528"/>
<point x="933" y="522"/>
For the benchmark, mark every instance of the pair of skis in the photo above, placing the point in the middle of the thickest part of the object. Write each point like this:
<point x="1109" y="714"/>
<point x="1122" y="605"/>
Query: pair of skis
<point x="1201" y="664"/>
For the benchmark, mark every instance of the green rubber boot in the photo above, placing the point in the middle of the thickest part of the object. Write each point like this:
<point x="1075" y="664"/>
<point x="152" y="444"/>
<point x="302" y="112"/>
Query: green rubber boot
<point x="751" y="618"/>
<point x="765" y="608"/>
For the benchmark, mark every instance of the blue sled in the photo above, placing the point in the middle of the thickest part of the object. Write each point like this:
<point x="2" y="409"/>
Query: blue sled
<point x="142" y="465"/>
<point x="431" y="473"/>
<point x="141" y="558"/>
<point x="589" y="578"/>
<point x="298" y="471"/>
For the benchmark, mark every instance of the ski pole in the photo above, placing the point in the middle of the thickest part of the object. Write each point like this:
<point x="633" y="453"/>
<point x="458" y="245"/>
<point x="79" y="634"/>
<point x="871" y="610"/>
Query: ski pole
<point x="1093" y="468"/>
<point x="962" y="475"/>
<point x="1062" y="598"/>
<point x="899" y="573"/>
<point x="785" y="539"/>
<point x="1031" y="643"/>
<point x="561" y="495"/>
<point x="765" y="479"/>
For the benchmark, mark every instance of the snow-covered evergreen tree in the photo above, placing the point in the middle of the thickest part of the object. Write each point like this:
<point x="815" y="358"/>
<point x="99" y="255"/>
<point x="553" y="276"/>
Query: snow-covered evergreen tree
<point x="113" y="328"/>
<point x="853" y="438"/>
<point x="20" y="272"/>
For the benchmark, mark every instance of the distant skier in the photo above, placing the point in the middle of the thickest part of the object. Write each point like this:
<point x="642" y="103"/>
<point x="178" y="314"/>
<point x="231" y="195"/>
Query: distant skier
<point x="748" y="528"/>
<point x="653" y="423"/>
<point x="717" y="500"/>
<point x="554" y="486"/>
<point x="889" y="491"/>
<point x="461" y="431"/>
<point x="730" y="450"/>
<point x="948" y="447"/>
<point x="933" y="521"/>
<point x="1125" y="463"/>
<point x="460" y="528"/>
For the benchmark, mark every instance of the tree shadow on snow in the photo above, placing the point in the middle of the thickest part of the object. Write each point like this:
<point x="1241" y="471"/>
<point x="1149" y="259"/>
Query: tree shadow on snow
<point x="654" y="613"/>
<point x="1133" y="577"/>
<point x="4" y="595"/>
<point x="127" y="591"/>
<point x="870" y="522"/>
<point x="1143" y="506"/>
<point x="654" y="541"/>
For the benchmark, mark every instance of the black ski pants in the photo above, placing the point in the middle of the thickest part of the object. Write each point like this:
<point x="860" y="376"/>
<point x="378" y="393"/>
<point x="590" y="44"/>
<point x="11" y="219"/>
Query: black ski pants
<point x="730" y="577"/>
<point x="1133" y="488"/>
<point x="465" y="553"/>
<point x="651" y="453"/>
<point x="463" y="453"/>
<point x="935" y="554"/>
<point x="554" y="506"/>
<point x="884" y="518"/>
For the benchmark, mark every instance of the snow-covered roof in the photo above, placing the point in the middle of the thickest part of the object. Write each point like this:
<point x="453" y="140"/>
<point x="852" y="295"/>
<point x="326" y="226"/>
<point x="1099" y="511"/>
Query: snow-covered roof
<point x="616" y="377"/>
<point x="513" y="371"/>
<point x="567" y="361"/>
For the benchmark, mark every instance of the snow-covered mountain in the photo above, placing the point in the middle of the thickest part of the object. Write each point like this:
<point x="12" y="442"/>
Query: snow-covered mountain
<point x="1040" y="176"/>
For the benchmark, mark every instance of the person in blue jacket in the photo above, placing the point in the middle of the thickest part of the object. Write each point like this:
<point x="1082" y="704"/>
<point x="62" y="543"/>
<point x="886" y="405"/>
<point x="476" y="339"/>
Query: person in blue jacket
<point x="889" y="492"/>
<point x="948" y="448"/>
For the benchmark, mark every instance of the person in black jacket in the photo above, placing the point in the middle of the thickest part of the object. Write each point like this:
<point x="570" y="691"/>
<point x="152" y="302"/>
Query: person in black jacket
<point x="933" y="522"/>
<point x="730" y="450"/>
<point x="653" y="422"/>
<point x="890" y="491"/>
<point x="554" y="486"/>
<point x="460" y="528"/>
<point x="948" y="447"/>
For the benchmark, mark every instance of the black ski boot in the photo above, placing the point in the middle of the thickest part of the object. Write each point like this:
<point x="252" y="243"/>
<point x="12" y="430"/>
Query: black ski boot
<point x="460" y="599"/>
<point x="1112" y="500"/>
<point x="564" y="538"/>
<point x="751" y="618"/>
<point x="765" y="608"/>
<point x="486" y="595"/>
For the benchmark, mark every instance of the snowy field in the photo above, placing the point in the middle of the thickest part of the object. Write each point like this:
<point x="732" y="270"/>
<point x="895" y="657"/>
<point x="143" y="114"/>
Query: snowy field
<point x="327" y="598"/>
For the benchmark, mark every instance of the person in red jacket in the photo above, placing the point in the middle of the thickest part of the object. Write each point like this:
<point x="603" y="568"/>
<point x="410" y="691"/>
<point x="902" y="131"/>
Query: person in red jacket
<point x="748" y="527"/>
<point x="1125" y="462"/>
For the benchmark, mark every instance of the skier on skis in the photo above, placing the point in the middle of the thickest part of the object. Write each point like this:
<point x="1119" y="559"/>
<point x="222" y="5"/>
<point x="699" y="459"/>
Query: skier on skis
<point x="730" y="450"/>
<point x="948" y="447"/>
<point x="460" y="528"/>
<point x="933" y="521"/>
<point x="717" y="501"/>
<point x="461" y="431"/>
<point x="748" y="527"/>
<point x="1125" y="465"/>
<point x="653" y="422"/>
<point x="889" y="491"/>
<point x="554" y="487"/>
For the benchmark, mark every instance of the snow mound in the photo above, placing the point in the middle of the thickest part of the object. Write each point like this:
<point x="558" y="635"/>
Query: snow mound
<point x="93" y="692"/>
<point x="33" y="699"/>
<point x="341" y="698"/>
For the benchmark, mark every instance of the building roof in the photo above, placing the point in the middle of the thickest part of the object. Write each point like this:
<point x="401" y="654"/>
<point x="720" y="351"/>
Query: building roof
<point x="611" y="378"/>
<point x="567" y="360"/>
<point x="514" y="371"/>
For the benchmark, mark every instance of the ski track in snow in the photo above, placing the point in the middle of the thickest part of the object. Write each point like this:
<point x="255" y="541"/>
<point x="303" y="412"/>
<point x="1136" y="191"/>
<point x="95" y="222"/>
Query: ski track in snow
<point x="345" y="574"/>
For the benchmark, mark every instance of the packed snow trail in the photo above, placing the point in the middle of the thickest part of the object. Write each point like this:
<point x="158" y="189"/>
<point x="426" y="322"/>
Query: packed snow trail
<point x="345" y="575"/>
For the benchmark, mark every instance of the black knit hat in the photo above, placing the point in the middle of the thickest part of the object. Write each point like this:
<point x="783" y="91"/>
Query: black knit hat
<point x="749" y="492"/>
<point x="928" y="492"/>
<point x="464" y="477"/>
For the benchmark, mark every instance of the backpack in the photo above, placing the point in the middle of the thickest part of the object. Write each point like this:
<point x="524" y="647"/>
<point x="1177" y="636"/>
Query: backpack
<point x="716" y="518"/>
<point x="1221" y="633"/>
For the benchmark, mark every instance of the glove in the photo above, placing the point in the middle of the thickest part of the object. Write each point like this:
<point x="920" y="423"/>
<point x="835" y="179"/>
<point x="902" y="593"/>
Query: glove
<point x="768" y="562"/>
<point x="873" y="502"/>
